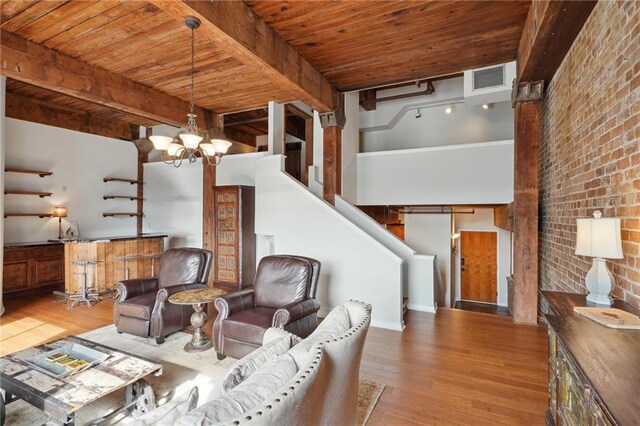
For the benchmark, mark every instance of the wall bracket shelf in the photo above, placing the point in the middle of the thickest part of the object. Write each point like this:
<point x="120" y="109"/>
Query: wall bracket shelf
<point x="40" y="215"/>
<point x="121" y="214"/>
<point x="121" y="197"/>
<point x="41" y="173"/>
<point x="16" y="192"/>
<point x="116" y="179"/>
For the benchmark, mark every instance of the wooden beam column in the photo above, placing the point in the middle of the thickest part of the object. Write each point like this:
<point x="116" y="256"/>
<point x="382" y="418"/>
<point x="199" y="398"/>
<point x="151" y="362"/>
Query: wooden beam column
<point x="525" y="209"/>
<point x="332" y="163"/>
<point x="332" y="124"/>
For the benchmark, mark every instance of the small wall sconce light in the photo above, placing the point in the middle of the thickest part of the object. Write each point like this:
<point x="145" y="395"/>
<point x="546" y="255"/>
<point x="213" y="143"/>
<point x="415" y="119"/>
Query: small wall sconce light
<point x="487" y="106"/>
<point x="599" y="238"/>
<point x="59" y="212"/>
<point x="450" y="109"/>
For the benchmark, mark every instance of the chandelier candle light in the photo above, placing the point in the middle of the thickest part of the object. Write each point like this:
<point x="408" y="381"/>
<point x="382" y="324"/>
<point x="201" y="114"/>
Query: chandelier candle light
<point x="599" y="238"/>
<point x="189" y="145"/>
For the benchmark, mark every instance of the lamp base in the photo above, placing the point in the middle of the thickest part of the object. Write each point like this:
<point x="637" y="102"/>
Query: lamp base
<point x="600" y="283"/>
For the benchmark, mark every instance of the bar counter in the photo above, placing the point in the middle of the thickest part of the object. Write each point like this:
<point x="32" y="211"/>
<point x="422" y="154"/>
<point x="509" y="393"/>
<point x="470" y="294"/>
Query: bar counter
<point x="110" y="253"/>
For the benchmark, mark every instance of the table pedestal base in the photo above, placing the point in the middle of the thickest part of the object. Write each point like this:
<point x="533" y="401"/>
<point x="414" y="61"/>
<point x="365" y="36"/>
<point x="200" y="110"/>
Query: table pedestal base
<point x="199" y="342"/>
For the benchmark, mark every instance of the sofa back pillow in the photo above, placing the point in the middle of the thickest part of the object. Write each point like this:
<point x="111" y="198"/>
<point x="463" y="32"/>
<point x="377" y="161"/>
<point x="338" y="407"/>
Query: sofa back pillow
<point x="245" y="366"/>
<point x="253" y="391"/>
<point x="335" y="324"/>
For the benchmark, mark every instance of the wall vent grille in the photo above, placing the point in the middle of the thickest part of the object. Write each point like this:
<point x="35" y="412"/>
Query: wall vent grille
<point x="488" y="77"/>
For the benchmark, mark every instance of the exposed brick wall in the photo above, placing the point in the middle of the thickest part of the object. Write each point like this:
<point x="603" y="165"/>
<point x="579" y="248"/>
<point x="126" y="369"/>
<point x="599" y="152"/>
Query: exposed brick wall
<point x="590" y="152"/>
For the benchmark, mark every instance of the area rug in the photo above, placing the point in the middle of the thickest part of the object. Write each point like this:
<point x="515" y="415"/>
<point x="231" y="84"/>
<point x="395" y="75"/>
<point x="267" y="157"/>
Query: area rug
<point x="181" y="372"/>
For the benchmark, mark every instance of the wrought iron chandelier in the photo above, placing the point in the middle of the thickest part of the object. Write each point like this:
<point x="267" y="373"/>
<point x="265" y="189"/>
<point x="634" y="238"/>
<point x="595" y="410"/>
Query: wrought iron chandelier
<point x="188" y="145"/>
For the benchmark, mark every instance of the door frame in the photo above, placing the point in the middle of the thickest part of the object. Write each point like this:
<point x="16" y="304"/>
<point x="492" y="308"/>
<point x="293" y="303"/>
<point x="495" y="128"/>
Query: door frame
<point x="458" y="267"/>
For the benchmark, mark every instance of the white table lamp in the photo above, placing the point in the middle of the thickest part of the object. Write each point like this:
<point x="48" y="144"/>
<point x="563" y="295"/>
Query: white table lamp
<point x="599" y="238"/>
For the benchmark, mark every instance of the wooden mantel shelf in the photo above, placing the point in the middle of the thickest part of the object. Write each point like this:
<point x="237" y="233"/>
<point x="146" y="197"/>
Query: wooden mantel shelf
<point x="40" y="215"/>
<point x="121" y="214"/>
<point x="116" y="179"/>
<point x="121" y="197"/>
<point x="41" y="173"/>
<point x="16" y="192"/>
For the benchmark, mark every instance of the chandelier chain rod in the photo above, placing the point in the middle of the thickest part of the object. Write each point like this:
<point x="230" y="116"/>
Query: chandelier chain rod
<point x="193" y="66"/>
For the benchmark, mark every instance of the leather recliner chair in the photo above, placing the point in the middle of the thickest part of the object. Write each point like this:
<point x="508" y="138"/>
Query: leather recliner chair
<point x="142" y="307"/>
<point x="282" y="296"/>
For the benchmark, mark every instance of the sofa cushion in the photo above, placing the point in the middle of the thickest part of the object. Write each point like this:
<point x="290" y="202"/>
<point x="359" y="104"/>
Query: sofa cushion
<point x="244" y="367"/>
<point x="248" y="325"/>
<point x="138" y="307"/>
<point x="334" y="325"/>
<point x="167" y="414"/>
<point x="247" y="395"/>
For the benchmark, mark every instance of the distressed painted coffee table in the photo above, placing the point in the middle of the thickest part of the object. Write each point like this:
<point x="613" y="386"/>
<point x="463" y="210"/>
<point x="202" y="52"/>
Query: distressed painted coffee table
<point x="62" y="397"/>
<point x="199" y="298"/>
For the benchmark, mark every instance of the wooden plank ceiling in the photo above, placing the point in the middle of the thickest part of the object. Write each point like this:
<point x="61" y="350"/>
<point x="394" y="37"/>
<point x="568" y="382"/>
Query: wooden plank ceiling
<point x="353" y="44"/>
<point x="359" y="44"/>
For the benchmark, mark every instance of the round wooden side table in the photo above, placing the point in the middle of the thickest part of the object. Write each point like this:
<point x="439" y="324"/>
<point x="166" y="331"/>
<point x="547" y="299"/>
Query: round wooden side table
<point x="198" y="298"/>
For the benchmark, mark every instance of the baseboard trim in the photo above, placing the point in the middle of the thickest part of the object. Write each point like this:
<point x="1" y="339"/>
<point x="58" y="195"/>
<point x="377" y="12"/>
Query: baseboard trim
<point x="421" y="308"/>
<point x="388" y="325"/>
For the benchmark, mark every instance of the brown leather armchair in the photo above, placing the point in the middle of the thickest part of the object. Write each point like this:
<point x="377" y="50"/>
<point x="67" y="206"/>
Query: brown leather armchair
<point x="282" y="296"/>
<point x="141" y="306"/>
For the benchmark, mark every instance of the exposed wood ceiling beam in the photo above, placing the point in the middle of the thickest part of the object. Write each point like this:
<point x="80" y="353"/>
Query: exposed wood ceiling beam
<point x="27" y="109"/>
<point x="31" y="63"/>
<point x="549" y="31"/>
<point x="233" y="26"/>
<point x="238" y="136"/>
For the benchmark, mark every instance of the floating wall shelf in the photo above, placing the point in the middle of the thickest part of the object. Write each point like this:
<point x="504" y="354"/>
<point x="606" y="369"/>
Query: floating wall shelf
<point x="115" y="179"/>
<point x="121" y="214"/>
<point x="40" y="215"/>
<point x="40" y="173"/>
<point x="39" y="194"/>
<point x="121" y="197"/>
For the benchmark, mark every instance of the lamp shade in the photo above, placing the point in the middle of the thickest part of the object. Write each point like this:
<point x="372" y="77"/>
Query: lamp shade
<point x="59" y="211"/>
<point x="599" y="238"/>
<point x="222" y="146"/>
<point x="161" y="143"/>
<point x="190" y="140"/>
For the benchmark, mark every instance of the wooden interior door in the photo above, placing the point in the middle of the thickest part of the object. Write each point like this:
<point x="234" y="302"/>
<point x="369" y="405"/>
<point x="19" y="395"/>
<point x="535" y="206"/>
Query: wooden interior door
<point x="479" y="266"/>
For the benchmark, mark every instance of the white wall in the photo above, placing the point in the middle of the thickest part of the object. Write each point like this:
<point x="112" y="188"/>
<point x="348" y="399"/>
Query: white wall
<point x="431" y="234"/>
<point x="238" y="169"/>
<point x="393" y="124"/>
<point x="354" y="265"/>
<point x="458" y="174"/>
<point x="79" y="162"/>
<point x="482" y="220"/>
<point x="173" y="202"/>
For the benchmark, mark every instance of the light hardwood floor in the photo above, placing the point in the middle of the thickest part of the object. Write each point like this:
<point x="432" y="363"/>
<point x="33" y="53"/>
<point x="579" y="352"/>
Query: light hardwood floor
<point x="456" y="367"/>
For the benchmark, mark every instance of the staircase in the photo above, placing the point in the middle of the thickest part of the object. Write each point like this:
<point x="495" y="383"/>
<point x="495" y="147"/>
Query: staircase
<point x="360" y="259"/>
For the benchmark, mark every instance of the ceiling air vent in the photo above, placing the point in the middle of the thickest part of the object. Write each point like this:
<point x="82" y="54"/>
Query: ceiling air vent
<point x="488" y="77"/>
<point x="489" y="84"/>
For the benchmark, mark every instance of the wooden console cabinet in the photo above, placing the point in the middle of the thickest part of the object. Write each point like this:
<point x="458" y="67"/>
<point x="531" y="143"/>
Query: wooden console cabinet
<point x="593" y="370"/>
<point x="32" y="268"/>
<point x="234" y="249"/>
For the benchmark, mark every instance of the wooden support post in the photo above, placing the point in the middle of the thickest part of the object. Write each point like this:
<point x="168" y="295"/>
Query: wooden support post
<point x="143" y="157"/>
<point x="525" y="206"/>
<point x="332" y="163"/>
<point x="308" y="154"/>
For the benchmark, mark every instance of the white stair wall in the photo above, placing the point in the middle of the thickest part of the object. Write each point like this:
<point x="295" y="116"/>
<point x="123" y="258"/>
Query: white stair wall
<point x="419" y="269"/>
<point x="354" y="264"/>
